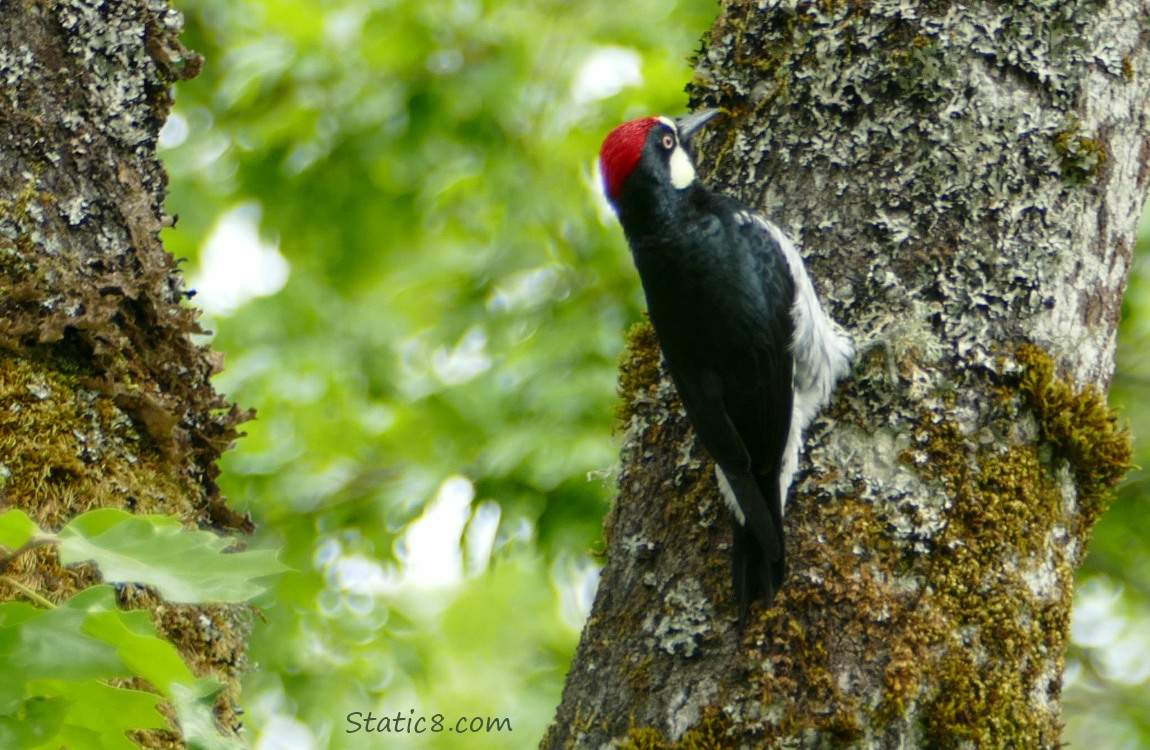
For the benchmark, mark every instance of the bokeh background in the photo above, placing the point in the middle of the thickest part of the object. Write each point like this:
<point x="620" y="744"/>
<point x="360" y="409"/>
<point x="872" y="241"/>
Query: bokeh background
<point x="390" y="214"/>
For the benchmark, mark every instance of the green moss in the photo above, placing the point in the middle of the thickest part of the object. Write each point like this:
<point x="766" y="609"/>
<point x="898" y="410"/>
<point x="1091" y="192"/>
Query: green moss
<point x="645" y="738"/>
<point x="983" y="684"/>
<point x="18" y="208"/>
<point x="70" y="450"/>
<point x="902" y="680"/>
<point x="800" y="636"/>
<point x="1081" y="427"/>
<point x="999" y="577"/>
<point x="14" y="267"/>
<point x="638" y="371"/>
<point x="1082" y="157"/>
<point x="967" y="708"/>
<point x="711" y="733"/>
<point x="730" y="137"/>
<point x="994" y="633"/>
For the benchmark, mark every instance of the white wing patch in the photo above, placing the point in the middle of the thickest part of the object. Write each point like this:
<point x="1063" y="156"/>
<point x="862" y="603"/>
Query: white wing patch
<point x="729" y="496"/>
<point x="821" y="348"/>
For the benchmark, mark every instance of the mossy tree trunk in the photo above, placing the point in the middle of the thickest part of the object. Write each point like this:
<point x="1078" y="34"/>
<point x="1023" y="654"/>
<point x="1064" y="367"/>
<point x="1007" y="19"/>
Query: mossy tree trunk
<point x="965" y="180"/>
<point x="104" y="399"/>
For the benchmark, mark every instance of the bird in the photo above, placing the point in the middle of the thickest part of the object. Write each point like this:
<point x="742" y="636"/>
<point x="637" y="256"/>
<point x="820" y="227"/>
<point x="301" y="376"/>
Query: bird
<point x="752" y="354"/>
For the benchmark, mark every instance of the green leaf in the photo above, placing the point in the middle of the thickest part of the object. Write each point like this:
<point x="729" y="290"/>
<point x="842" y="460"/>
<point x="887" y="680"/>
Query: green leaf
<point x="145" y="653"/>
<point x="185" y="566"/>
<point x="32" y="722"/>
<point x="16" y="528"/>
<point x="52" y="662"/>
<point x="99" y="715"/>
<point x="12" y="616"/>
<point x="52" y="642"/>
<point x="195" y="711"/>
<point x="38" y="643"/>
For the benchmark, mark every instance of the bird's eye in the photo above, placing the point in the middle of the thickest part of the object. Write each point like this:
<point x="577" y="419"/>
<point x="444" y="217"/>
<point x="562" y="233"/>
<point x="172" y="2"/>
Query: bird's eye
<point x="668" y="141"/>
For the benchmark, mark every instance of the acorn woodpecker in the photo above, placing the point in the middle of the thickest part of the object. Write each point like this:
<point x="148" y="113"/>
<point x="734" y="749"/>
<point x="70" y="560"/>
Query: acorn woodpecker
<point x="748" y="346"/>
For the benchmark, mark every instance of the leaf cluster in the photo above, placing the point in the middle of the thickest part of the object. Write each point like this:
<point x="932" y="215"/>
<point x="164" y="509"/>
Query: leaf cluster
<point x="87" y="673"/>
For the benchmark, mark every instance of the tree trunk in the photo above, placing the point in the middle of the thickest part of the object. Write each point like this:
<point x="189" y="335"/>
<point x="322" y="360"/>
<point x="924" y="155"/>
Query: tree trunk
<point x="104" y="399"/>
<point x="965" y="180"/>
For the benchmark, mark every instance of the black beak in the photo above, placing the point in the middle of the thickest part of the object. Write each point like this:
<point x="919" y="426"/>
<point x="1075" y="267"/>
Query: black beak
<point x="692" y="122"/>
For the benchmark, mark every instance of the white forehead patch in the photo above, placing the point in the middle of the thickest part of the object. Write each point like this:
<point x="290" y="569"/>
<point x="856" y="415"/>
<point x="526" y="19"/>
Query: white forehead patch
<point x="682" y="173"/>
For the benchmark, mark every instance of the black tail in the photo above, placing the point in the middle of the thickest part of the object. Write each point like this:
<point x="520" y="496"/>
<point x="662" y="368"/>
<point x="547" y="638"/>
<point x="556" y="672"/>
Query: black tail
<point x="753" y="573"/>
<point x="759" y="558"/>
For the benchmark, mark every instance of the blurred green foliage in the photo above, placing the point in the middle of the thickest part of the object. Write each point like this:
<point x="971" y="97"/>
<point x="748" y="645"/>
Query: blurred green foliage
<point x="449" y="329"/>
<point x="454" y="308"/>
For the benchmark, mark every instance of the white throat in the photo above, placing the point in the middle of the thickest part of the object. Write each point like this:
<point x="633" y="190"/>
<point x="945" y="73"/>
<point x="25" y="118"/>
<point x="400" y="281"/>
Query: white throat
<point x="682" y="172"/>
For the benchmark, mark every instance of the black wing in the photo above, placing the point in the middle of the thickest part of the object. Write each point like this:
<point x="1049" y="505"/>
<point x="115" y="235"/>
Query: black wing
<point x="726" y="337"/>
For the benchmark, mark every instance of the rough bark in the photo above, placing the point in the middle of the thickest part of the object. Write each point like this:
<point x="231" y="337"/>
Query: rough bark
<point x="965" y="180"/>
<point x="104" y="399"/>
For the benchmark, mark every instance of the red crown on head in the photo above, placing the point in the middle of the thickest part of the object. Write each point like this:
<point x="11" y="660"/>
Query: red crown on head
<point x="620" y="153"/>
